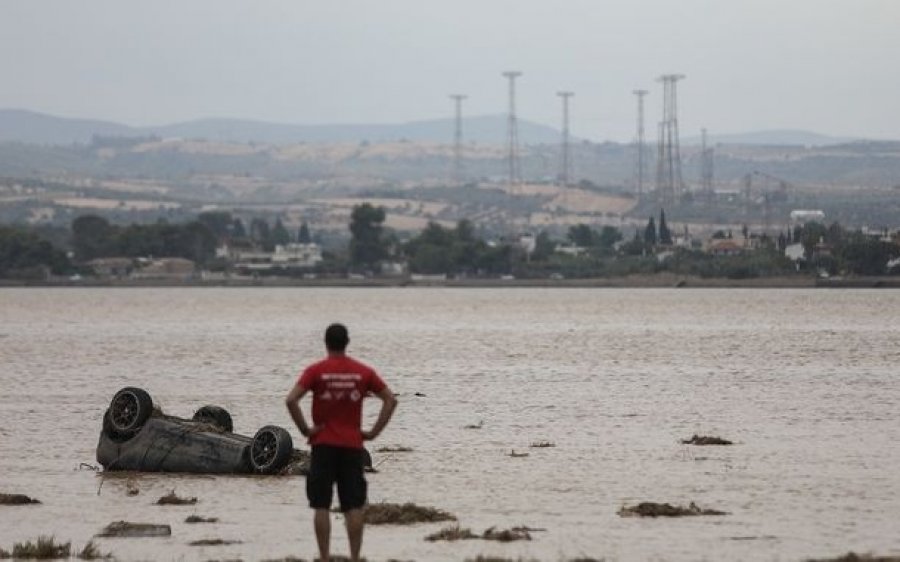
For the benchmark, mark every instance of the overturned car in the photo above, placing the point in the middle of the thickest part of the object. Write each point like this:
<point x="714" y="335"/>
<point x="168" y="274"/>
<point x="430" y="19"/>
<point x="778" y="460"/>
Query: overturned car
<point x="137" y="436"/>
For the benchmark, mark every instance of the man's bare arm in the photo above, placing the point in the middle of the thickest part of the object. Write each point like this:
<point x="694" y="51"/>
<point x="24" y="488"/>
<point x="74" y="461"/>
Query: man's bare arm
<point x="388" y="404"/>
<point x="292" y="401"/>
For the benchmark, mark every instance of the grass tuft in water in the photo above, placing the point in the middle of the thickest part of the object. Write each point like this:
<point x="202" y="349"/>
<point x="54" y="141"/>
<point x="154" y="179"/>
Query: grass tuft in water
<point x="45" y="548"/>
<point x="404" y="514"/>
<point x="172" y="499"/>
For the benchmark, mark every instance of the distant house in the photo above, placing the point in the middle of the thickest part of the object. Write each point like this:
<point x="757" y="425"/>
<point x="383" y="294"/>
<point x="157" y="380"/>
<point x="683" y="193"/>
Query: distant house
<point x="112" y="267"/>
<point x="166" y="268"/>
<point x="724" y="247"/>
<point x="794" y="252"/>
<point x="287" y="256"/>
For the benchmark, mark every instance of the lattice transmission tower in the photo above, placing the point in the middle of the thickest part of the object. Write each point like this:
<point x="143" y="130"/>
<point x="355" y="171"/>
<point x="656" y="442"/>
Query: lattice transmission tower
<point x="512" y="131"/>
<point x="565" y="165"/>
<point x="639" y="166"/>
<point x="458" y="140"/>
<point x="707" y="162"/>
<point x="669" y="182"/>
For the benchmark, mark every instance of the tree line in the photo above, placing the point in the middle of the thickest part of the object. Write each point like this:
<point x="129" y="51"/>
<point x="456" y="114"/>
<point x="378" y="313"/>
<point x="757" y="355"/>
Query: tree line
<point x="460" y="250"/>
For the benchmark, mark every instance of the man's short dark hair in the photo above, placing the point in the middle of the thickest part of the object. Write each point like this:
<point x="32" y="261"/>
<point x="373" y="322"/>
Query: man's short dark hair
<point x="336" y="337"/>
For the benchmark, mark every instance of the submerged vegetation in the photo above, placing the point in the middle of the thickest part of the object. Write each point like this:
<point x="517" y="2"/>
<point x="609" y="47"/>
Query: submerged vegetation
<point x="404" y="514"/>
<point x="16" y="499"/>
<point x="706" y="440"/>
<point x="653" y="509"/>
<point x="172" y="499"/>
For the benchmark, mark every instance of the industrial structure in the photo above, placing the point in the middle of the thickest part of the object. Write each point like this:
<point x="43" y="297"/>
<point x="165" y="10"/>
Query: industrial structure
<point x="565" y="165"/>
<point x="457" y="140"/>
<point x="512" y="131"/>
<point x="669" y="181"/>
<point x="639" y="146"/>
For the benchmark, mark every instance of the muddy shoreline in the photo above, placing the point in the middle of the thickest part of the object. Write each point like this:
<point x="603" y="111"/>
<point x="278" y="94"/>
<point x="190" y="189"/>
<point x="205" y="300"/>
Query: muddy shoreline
<point x="629" y="282"/>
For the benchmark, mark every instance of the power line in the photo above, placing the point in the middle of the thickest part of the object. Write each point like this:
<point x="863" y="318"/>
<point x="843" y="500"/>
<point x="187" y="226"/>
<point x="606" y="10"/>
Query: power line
<point x="457" y="140"/>
<point x="512" y="131"/>
<point x="565" y="171"/>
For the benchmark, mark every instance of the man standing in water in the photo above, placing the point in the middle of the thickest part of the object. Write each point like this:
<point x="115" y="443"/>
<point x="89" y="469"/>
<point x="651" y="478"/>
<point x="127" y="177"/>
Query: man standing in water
<point x="338" y="384"/>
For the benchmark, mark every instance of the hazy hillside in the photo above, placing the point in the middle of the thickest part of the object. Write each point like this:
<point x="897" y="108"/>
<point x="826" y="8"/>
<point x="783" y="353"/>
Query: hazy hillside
<point x="18" y="125"/>
<point x="783" y="137"/>
<point x="37" y="128"/>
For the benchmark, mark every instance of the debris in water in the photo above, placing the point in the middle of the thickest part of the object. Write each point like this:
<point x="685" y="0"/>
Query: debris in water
<point x="653" y="509"/>
<point x="853" y="557"/>
<point x="172" y="499"/>
<point x="454" y="533"/>
<point x="705" y="440"/>
<point x="478" y="425"/>
<point x="91" y="552"/>
<point x="128" y="529"/>
<point x="405" y="514"/>
<point x="420" y="394"/>
<point x="515" y="455"/>
<point x="212" y="542"/>
<point x="542" y="444"/>
<point x="506" y="535"/>
<point x="397" y="449"/>
<point x="198" y="519"/>
<point x="45" y="548"/>
<point x="16" y="499"/>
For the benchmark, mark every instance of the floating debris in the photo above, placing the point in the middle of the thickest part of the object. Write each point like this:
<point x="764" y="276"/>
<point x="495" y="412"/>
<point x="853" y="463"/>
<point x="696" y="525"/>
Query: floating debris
<point x="506" y="535"/>
<point x="454" y="533"/>
<point x="16" y="499"/>
<point x="212" y="542"/>
<point x="172" y="499"/>
<point x="653" y="509"/>
<point x="542" y="444"/>
<point x="706" y="440"/>
<point x="420" y="394"/>
<point x="91" y="552"/>
<point x="288" y="559"/>
<point x="128" y="529"/>
<point x="515" y="455"/>
<point x="853" y="557"/>
<point x="198" y="519"/>
<point x="396" y="449"/>
<point x="131" y="487"/>
<point x="45" y="548"/>
<point x="478" y="425"/>
<point x="482" y="558"/>
<point x="405" y="514"/>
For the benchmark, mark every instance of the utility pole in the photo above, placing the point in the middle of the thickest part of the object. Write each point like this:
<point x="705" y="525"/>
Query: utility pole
<point x="565" y="171"/>
<point x="639" y="164"/>
<point x="457" y="140"/>
<point x="669" y="182"/>
<point x="512" y="131"/>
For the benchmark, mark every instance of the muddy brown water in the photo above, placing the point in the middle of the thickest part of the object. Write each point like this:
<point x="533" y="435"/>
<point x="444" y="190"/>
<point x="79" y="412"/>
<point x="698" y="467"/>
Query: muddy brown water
<point x="804" y="381"/>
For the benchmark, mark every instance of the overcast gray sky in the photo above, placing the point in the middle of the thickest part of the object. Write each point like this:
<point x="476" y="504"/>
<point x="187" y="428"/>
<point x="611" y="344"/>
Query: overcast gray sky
<point x="829" y="66"/>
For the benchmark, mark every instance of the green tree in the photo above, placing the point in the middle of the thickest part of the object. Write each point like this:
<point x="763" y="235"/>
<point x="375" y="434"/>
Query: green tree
<point x="280" y="234"/>
<point x="237" y="228"/>
<point x="303" y="235"/>
<point x="218" y="222"/>
<point x="367" y="241"/>
<point x="23" y="254"/>
<point x="92" y="237"/>
<point x="608" y="237"/>
<point x="543" y="247"/>
<point x="582" y="235"/>
<point x="650" y="233"/>
<point x="665" y="235"/>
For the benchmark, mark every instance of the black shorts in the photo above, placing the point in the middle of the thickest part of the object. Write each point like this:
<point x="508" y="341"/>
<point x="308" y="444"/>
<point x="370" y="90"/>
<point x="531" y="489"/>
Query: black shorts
<point x="342" y="465"/>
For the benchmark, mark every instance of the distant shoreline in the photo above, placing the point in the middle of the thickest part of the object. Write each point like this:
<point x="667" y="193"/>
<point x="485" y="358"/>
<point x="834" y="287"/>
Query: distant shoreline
<point x="630" y="282"/>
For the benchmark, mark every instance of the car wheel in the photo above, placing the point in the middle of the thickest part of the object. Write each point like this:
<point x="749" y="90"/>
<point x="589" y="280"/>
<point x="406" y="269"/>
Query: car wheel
<point x="270" y="450"/>
<point x="216" y="416"/>
<point x="129" y="409"/>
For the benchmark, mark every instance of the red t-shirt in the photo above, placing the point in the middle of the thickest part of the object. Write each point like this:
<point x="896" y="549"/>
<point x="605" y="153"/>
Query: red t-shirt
<point x="339" y="383"/>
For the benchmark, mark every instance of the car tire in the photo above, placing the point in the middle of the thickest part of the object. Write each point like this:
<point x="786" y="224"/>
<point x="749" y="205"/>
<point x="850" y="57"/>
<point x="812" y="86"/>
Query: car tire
<point x="128" y="410"/>
<point x="216" y="416"/>
<point x="270" y="450"/>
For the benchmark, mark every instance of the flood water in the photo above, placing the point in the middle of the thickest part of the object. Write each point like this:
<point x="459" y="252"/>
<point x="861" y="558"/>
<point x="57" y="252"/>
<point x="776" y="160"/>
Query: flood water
<point x="804" y="381"/>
